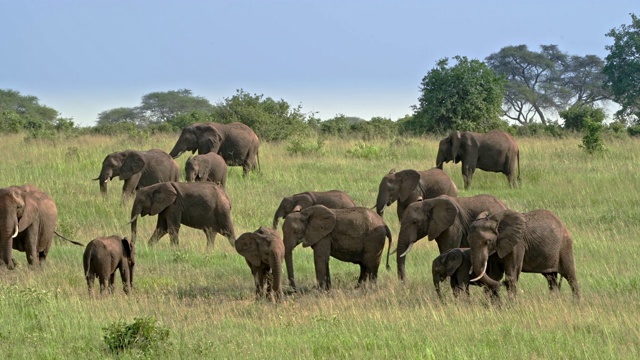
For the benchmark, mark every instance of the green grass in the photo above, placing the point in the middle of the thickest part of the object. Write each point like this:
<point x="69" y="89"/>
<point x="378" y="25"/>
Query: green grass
<point x="205" y="298"/>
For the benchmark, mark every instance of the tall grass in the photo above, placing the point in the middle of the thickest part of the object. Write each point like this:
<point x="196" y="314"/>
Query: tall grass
<point x="205" y="298"/>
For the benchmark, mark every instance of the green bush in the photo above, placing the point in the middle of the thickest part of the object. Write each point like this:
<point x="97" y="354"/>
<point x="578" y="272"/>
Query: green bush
<point x="305" y="146"/>
<point x="633" y="130"/>
<point x="366" y="151"/>
<point x="143" y="334"/>
<point x="592" y="141"/>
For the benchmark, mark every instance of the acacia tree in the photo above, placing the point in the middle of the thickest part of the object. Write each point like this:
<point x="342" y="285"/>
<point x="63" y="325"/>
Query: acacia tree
<point x="548" y="81"/>
<point x="465" y="96"/>
<point x="159" y="107"/>
<point x="18" y="112"/>
<point x="120" y="115"/>
<point x="622" y="68"/>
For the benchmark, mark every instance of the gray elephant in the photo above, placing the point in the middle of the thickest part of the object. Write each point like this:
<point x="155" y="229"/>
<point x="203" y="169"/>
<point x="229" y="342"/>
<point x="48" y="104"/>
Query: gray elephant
<point x="495" y="151"/>
<point x="206" y="167"/>
<point x="333" y="199"/>
<point x="408" y="186"/>
<point x="103" y="256"/>
<point x="456" y="264"/>
<point x="138" y="169"/>
<point x="444" y="219"/>
<point x="356" y="235"/>
<point x="28" y="219"/>
<point x="533" y="242"/>
<point x="263" y="250"/>
<point x="236" y="143"/>
<point x="200" y="205"/>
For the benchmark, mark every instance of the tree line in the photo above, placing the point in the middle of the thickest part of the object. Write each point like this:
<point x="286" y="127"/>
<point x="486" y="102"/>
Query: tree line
<point x="517" y="89"/>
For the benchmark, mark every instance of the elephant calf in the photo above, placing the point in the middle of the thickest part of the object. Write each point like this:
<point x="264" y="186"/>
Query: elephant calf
<point x="456" y="264"/>
<point x="103" y="256"/>
<point x="206" y="167"/>
<point x="263" y="250"/>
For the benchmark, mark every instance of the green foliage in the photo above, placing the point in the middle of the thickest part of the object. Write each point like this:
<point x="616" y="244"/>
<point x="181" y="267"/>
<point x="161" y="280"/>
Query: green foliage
<point x="23" y="112"/>
<point x="144" y="334"/>
<point x="119" y="128"/>
<point x="368" y="151"/>
<point x="270" y="119"/>
<point x="552" y="129"/>
<point x="121" y="115"/>
<point x="467" y="95"/>
<point x="576" y="117"/>
<point x="634" y="130"/>
<point x="622" y="67"/>
<point x="304" y="145"/>
<point x="159" y="107"/>
<point x="592" y="141"/>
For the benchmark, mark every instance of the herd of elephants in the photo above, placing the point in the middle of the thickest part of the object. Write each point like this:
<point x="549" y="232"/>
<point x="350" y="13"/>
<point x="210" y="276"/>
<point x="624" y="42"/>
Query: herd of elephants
<point x="480" y="240"/>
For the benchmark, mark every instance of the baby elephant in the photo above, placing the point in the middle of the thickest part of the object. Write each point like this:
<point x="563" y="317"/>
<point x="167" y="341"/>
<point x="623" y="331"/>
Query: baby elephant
<point x="103" y="256"/>
<point x="263" y="250"/>
<point x="456" y="264"/>
<point x="206" y="167"/>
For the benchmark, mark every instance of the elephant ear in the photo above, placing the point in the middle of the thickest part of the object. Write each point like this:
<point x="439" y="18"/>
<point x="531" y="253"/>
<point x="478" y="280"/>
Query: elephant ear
<point x="320" y="222"/>
<point x="247" y="246"/>
<point x="453" y="261"/>
<point x="203" y="169"/>
<point x="127" y="246"/>
<point x="164" y="195"/>
<point x="209" y="141"/>
<point x="133" y="164"/>
<point x="511" y="228"/>
<point x="455" y="138"/>
<point x="408" y="183"/>
<point x="442" y="215"/>
<point x="29" y="212"/>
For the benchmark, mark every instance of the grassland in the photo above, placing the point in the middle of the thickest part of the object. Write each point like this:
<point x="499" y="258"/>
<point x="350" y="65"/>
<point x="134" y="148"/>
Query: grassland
<point x="205" y="298"/>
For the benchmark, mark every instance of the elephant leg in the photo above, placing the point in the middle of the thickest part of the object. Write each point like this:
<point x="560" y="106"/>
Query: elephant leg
<point x="104" y="283"/>
<point x="467" y="174"/>
<point x="211" y="237"/>
<point x="157" y="235"/>
<point x="173" y="235"/>
<point x="112" y="281"/>
<point x="363" y="276"/>
<point x="90" y="280"/>
<point x="256" y="281"/>
<point x="568" y="271"/>
<point x="552" y="280"/>
<point x="31" y="248"/>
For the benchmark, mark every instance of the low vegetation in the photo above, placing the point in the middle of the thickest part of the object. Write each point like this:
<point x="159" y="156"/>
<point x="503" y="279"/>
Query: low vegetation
<point x="194" y="303"/>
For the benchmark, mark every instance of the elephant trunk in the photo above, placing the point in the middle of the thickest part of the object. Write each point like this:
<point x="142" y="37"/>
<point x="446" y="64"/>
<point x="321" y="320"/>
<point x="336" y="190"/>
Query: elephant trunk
<point x="382" y="200"/>
<point x="439" y="160"/>
<point x="6" y="241"/>
<point x="279" y="214"/>
<point x="406" y="239"/>
<point x="135" y="213"/>
<point x="276" y="270"/>
<point x="288" y="259"/>
<point x="103" y="179"/>
<point x="479" y="263"/>
<point x="180" y="146"/>
<point x="436" y="283"/>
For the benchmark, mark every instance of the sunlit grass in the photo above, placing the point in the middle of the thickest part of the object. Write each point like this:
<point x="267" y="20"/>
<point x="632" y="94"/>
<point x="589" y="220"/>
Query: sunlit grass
<point x="205" y="298"/>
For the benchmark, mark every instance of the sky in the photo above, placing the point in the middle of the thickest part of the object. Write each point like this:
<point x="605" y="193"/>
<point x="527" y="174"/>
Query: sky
<point x="356" y="58"/>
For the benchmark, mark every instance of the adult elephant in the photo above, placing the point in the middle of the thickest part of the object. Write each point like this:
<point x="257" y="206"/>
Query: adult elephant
<point x="495" y="151"/>
<point x="333" y="199"/>
<point x="533" y="242"/>
<point x="409" y="186"/>
<point x="206" y="167"/>
<point x="138" y="169"/>
<point x="28" y="219"/>
<point x="356" y="235"/>
<point x="444" y="219"/>
<point x="200" y="205"/>
<point x="236" y="143"/>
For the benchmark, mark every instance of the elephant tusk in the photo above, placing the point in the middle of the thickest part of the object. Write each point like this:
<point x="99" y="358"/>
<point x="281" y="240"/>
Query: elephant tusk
<point x="406" y="251"/>
<point x="484" y="269"/>
<point x="16" y="233"/>
<point x="133" y="219"/>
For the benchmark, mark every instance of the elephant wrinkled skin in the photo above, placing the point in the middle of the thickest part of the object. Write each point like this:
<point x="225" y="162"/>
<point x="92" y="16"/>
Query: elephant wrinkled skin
<point x="355" y="235"/>
<point x="200" y="205"/>
<point x="103" y="256"/>
<point x="138" y="169"/>
<point x="533" y="242"/>
<point x="333" y="199"/>
<point x="444" y="219"/>
<point x="495" y="151"/>
<point x="236" y="143"/>
<point x="206" y="167"/>
<point x="409" y="186"/>
<point x="263" y="250"/>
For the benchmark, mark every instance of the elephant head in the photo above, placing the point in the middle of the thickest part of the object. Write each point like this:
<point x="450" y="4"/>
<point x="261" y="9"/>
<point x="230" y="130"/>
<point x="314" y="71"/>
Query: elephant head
<point x="196" y="169"/>
<point x="291" y="204"/>
<point x="18" y="210"/>
<point x="424" y="218"/>
<point x="445" y="265"/>
<point x="204" y="138"/>
<point x="449" y="149"/>
<point x="309" y="225"/>
<point x="499" y="232"/>
<point x="151" y="200"/>
<point x="124" y="164"/>
<point x="396" y="186"/>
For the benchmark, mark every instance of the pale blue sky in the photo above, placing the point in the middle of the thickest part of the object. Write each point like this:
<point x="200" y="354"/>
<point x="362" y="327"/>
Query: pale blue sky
<point x="358" y="58"/>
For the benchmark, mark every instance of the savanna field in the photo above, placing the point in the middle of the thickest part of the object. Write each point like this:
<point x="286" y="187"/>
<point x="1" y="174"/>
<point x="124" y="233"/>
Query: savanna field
<point x="205" y="299"/>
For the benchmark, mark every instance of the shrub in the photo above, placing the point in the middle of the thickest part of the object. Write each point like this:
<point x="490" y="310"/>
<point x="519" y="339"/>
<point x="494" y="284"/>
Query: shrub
<point x="576" y="117"/>
<point x="633" y="130"/>
<point x="366" y="151"/>
<point x="305" y="146"/>
<point x="592" y="141"/>
<point x="143" y="334"/>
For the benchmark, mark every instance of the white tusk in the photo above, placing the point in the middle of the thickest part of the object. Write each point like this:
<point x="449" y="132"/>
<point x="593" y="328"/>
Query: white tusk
<point x="16" y="233"/>
<point x="484" y="269"/>
<point x="133" y="219"/>
<point x="407" y="251"/>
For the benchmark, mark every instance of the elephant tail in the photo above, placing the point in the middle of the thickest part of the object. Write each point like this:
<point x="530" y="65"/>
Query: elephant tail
<point x="258" y="160"/>
<point x="71" y="241"/>
<point x="518" y="159"/>
<point x="388" y="235"/>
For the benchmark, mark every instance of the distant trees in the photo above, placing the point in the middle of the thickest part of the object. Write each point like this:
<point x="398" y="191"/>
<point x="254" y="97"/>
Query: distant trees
<point x="24" y="112"/>
<point x="465" y="96"/>
<point x="546" y="82"/>
<point x="622" y="68"/>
